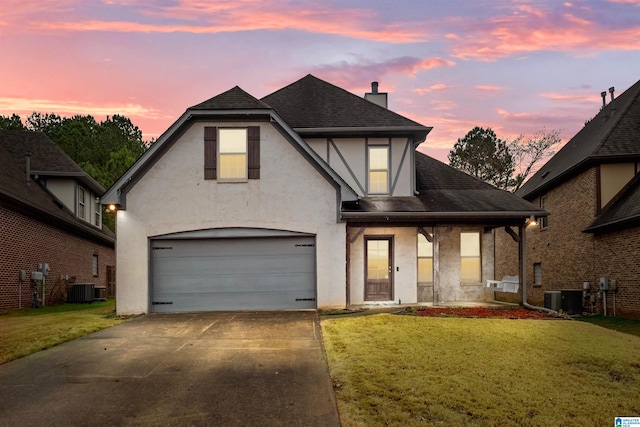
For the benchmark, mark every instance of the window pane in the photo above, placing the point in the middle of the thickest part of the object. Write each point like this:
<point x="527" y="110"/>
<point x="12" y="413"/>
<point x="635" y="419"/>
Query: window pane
<point x="537" y="273"/>
<point x="378" y="182"/>
<point x="377" y="259"/>
<point x="378" y="158"/>
<point x="233" y="166"/>
<point x="425" y="247"/>
<point x="470" y="270"/>
<point x="425" y="270"/>
<point x="233" y="140"/>
<point x="470" y="244"/>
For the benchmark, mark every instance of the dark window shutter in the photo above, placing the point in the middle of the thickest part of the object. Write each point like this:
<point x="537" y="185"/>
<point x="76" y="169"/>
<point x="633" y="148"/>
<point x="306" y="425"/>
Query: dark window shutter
<point x="210" y="152"/>
<point x="253" y="149"/>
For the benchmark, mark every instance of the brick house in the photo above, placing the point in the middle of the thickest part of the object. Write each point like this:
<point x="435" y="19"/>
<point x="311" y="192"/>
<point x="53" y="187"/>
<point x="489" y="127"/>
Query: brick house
<point x="591" y="188"/>
<point x="49" y="214"/>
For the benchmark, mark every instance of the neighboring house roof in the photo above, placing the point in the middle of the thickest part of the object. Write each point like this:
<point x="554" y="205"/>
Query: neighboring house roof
<point x="623" y="212"/>
<point x="47" y="159"/>
<point x="610" y="136"/>
<point x="31" y="199"/>
<point x="312" y="106"/>
<point x="445" y="194"/>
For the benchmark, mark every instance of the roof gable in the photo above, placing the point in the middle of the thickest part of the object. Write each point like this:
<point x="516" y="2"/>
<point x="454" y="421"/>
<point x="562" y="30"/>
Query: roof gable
<point x="312" y="103"/>
<point x="46" y="158"/>
<point x="611" y="134"/>
<point x="622" y="213"/>
<point x="233" y="99"/>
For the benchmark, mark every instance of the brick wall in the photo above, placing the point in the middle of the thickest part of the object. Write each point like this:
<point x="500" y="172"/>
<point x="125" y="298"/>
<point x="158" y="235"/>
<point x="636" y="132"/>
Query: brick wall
<point x="570" y="257"/>
<point x="618" y="256"/>
<point x="25" y="242"/>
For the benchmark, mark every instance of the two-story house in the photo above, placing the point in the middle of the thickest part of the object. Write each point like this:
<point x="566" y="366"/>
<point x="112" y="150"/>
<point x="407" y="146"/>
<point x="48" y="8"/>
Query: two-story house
<point x="50" y="216"/>
<point x="591" y="240"/>
<point x="311" y="197"/>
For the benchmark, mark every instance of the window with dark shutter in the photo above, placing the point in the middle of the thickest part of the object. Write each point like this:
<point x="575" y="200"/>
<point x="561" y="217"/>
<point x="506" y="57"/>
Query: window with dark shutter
<point x="253" y="148"/>
<point x="210" y="152"/>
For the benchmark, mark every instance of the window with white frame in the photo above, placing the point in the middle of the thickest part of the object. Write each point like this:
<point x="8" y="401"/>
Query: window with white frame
<point x="425" y="260"/>
<point x="232" y="154"/>
<point x="544" y="221"/>
<point x="97" y="220"/>
<point x="470" y="260"/>
<point x="378" y="170"/>
<point x="81" y="202"/>
<point x="94" y="265"/>
<point x="537" y="273"/>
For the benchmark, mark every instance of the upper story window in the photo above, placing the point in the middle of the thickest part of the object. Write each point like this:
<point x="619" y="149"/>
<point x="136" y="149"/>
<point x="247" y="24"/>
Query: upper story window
<point x="544" y="204"/>
<point x="231" y="154"/>
<point x="81" y="202"/>
<point x="470" y="259"/>
<point x="378" y="170"/>
<point x="97" y="220"/>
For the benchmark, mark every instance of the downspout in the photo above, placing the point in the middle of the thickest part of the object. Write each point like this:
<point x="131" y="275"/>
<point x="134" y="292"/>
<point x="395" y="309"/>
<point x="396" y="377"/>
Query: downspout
<point x="522" y="271"/>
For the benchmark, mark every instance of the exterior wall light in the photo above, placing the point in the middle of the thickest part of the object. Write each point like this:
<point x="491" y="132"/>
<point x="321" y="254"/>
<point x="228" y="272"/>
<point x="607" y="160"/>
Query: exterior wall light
<point x="112" y="208"/>
<point x="532" y="221"/>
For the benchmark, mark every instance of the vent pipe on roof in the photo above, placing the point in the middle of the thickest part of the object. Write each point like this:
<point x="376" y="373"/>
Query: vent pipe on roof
<point x="604" y="99"/>
<point x="28" y="166"/>
<point x="611" y="89"/>
<point x="613" y="105"/>
<point x="374" y="87"/>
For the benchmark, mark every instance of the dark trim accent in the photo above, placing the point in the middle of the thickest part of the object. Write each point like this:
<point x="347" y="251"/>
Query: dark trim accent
<point x="253" y="152"/>
<point x="404" y="154"/>
<point x="210" y="152"/>
<point x="598" y="191"/>
<point x="346" y="164"/>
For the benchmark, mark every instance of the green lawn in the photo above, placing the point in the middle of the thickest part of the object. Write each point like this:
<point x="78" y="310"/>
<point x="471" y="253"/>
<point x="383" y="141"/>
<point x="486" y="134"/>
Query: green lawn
<point x="423" y="371"/>
<point x="627" y="326"/>
<point x="27" y="331"/>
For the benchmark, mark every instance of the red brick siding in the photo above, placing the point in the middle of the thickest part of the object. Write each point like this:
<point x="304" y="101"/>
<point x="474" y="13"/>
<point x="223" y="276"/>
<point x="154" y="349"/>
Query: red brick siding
<point x="25" y="242"/>
<point x="570" y="257"/>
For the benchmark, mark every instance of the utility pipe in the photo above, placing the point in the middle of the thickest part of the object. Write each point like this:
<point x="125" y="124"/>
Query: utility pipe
<point x="522" y="249"/>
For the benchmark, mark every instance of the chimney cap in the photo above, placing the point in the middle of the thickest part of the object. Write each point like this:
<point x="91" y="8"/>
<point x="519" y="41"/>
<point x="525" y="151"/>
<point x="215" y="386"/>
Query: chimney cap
<point x="374" y="87"/>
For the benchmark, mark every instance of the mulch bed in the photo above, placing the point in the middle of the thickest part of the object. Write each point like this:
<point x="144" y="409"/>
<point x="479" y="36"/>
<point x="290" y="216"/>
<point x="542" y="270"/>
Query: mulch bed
<point x="483" y="312"/>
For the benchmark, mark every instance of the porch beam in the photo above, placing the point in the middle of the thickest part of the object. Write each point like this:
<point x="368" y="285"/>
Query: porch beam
<point x="512" y="233"/>
<point x="426" y="234"/>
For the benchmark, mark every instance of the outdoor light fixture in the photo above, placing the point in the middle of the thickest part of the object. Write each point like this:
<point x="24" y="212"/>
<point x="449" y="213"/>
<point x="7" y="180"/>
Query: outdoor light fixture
<point x="532" y="220"/>
<point x="112" y="208"/>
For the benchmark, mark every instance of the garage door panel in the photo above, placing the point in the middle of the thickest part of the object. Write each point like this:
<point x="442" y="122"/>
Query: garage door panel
<point x="233" y="274"/>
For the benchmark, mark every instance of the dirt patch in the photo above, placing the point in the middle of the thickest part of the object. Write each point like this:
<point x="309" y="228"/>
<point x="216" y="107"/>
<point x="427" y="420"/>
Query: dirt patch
<point x="482" y="312"/>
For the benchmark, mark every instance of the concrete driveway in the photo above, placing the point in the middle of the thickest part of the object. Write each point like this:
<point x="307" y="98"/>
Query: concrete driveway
<point x="218" y="369"/>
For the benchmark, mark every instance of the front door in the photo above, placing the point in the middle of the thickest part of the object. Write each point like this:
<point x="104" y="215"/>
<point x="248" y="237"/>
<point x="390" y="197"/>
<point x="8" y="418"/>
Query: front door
<point x="379" y="284"/>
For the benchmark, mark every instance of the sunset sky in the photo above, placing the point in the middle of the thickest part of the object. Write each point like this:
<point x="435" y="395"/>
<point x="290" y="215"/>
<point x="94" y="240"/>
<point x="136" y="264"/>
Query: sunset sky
<point x="515" y="66"/>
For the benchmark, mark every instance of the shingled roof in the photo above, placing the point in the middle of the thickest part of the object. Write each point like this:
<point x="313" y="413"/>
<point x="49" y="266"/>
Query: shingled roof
<point x="233" y="99"/>
<point x="612" y="134"/>
<point x="46" y="158"/>
<point x="310" y="104"/>
<point x="31" y="199"/>
<point x="447" y="194"/>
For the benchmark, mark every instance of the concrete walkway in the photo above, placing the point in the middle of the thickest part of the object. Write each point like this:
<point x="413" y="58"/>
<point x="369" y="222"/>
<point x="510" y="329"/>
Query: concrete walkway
<point x="218" y="369"/>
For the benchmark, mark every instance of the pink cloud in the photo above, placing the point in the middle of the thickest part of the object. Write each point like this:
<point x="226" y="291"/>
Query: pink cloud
<point x="535" y="30"/>
<point x="636" y="2"/>
<point x="425" y="90"/>
<point x="488" y="88"/>
<point x="352" y="76"/>
<point x="23" y="105"/>
<point x="569" y="98"/>
<point x="218" y="17"/>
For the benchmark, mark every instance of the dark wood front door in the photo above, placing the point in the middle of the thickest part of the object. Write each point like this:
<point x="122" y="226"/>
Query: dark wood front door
<point x="378" y="270"/>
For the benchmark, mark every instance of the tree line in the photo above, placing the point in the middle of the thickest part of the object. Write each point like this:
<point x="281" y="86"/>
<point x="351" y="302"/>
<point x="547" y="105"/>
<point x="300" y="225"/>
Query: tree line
<point x="502" y="163"/>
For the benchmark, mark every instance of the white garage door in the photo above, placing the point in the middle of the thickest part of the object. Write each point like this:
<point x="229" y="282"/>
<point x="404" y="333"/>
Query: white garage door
<point x="225" y="274"/>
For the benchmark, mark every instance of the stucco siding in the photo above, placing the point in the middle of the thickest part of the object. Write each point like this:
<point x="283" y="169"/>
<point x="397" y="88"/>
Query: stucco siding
<point x="174" y="197"/>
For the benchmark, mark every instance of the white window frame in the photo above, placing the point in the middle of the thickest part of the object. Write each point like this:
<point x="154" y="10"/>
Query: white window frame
<point x="478" y="257"/>
<point x="370" y="170"/>
<point x="82" y="198"/>
<point x="220" y="154"/>
<point x="544" y="221"/>
<point x="98" y="214"/>
<point x="423" y="256"/>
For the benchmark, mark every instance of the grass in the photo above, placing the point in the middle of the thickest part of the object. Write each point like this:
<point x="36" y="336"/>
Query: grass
<point x="26" y="331"/>
<point x="429" y="371"/>
<point x="627" y="326"/>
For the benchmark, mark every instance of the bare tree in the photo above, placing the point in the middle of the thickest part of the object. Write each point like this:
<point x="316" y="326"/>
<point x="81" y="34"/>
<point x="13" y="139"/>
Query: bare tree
<point x="529" y="151"/>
